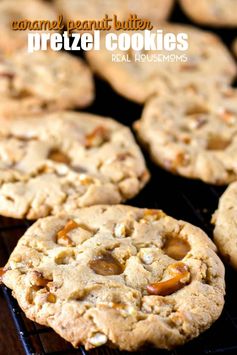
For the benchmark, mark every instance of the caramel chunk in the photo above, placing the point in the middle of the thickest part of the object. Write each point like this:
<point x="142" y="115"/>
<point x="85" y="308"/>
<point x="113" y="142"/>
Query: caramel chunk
<point x="216" y="142"/>
<point x="62" y="237"/>
<point x="58" y="156"/>
<point x="197" y="110"/>
<point x="182" y="159"/>
<point x="51" y="298"/>
<point x="176" y="248"/>
<point x="86" y="180"/>
<point x="164" y="288"/>
<point x="2" y="272"/>
<point x="96" y="137"/>
<point x="106" y="265"/>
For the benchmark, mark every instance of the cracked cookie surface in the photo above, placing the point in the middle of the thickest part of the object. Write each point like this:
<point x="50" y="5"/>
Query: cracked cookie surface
<point x="154" y="10"/>
<point x="138" y="79"/>
<point x="119" y="276"/>
<point x="225" y="231"/>
<point x="44" y="80"/>
<point x="65" y="160"/>
<point x="193" y="132"/>
<point x="212" y="12"/>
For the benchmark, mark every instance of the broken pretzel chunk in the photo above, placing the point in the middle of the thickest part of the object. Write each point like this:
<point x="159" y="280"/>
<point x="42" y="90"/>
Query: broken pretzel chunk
<point x="96" y="138"/>
<point x="152" y="215"/>
<point x="105" y="264"/>
<point x="62" y="237"/>
<point x="181" y="274"/>
<point x="58" y="157"/>
<point x="37" y="279"/>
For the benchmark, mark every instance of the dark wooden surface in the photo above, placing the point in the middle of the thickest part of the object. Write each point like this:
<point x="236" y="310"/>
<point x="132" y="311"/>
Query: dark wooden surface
<point x="9" y="342"/>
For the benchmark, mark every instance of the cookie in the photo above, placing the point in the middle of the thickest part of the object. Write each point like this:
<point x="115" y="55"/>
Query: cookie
<point x="192" y="132"/>
<point x="90" y="10"/>
<point x="27" y="106"/>
<point x="138" y="79"/>
<point x="65" y="160"/>
<point x="216" y="13"/>
<point x="118" y="275"/>
<point x="225" y="231"/>
<point x="13" y="10"/>
<point x="154" y="10"/>
<point x="52" y="80"/>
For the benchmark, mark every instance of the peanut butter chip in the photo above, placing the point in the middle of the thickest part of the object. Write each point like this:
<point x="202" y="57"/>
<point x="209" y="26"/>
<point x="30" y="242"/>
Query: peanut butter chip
<point x="62" y="237"/>
<point x="164" y="288"/>
<point x="176" y="248"/>
<point x="106" y="265"/>
<point x="58" y="156"/>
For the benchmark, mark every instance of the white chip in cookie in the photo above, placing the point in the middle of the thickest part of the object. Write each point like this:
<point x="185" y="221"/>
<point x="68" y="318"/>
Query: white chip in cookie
<point x="95" y="287"/>
<point x="65" y="160"/>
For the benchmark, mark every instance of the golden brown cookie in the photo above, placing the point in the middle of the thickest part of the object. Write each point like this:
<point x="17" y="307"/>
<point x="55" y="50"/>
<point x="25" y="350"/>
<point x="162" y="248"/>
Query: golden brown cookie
<point x="154" y="10"/>
<point x="13" y="10"/>
<point x="118" y="275"/>
<point x="44" y="80"/>
<point x="192" y="132"/>
<point x="146" y="72"/>
<point x="65" y="160"/>
<point x="217" y="13"/>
